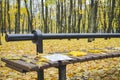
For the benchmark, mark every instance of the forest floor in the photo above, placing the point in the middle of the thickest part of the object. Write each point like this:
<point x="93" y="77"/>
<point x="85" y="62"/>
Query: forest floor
<point x="105" y="69"/>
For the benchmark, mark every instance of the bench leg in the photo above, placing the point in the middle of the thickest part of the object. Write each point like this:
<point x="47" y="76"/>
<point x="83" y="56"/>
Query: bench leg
<point x="62" y="72"/>
<point x="40" y="74"/>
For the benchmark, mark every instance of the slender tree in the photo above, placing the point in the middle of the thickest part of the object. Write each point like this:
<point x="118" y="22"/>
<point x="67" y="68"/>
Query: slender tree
<point x="16" y="29"/>
<point x="40" y="15"/>
<point x="105" y="23"/>
<point x="95" y="22"/>
<point x="61" y="17"/>
<point x="2" y="25"/>
<point x="17" y="18"/>
<point x="0" y="20"/>
<point x="111" y="4"/>
<point x="29" y="17"/>
<point x="51" y="21"/>
<point x="84" y="18"/>
<point x="74" y="17"/>
<point x="70" y="16"/>
<point x="8" y="8"/>
<point x="65" y="17"/>
<point x="58" y="16"/>
<point x="91" y="16"/>
<point x="46" y="28"/>
<point x="5" y="26"/>
<point x="79" y="14"/>
<point x="117" y="14"/>
<point x="23" y="23"/>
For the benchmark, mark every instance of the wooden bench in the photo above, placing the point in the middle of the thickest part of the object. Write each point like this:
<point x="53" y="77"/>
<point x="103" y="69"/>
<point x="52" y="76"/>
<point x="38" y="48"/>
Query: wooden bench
<point x="37" y="37"/>
<point x="24" y="67"/>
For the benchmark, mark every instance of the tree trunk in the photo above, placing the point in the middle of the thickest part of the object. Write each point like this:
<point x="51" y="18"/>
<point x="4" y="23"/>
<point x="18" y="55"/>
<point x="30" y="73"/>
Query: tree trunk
<point x="58" y="16"/>
<point x="105" y="24"/>
<point x="70" y="16"/>
<point x="0" y="39"/>
<point x="29" y="18"/>
<point x="42" y="15"/>
<point x="2" y="25"/>
<point x="95" y="22"/>
<point x="65" y="18"/>
<point x="16" y="23"/>
<point x="18" y="17"/>
<point x="111" y="16"/>
<point x="0" y="21"/>
<point x="84" y="19"/>
<point x="46" y="20"/>
<point x="62" y="16"/>
<point x="79" y="14"/>
<point x="118" y="29"/>
<point x="23" y="24"/>
<point x="74" y="18"/>
<point x="9" y="24"/>
<point x="91" y="23"/>
<point x="90" y="17"/>
<point x="5" y="26"/>
<point x="51" y="20"/>
<point x="117" y="16"/>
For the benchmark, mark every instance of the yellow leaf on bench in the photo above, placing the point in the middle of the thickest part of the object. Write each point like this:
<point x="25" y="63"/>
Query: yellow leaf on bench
<point x="43" y="60"/>
<point x="94" y="51"/>
<point x="77" y="53"/>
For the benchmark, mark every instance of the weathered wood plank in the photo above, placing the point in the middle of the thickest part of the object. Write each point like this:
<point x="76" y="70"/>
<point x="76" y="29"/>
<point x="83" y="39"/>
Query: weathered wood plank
<point x="16" y="68"/>
<point x="21" y="64"/>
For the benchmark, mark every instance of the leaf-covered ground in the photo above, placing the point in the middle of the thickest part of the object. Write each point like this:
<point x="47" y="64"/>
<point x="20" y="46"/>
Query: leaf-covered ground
<point x="106" y="69"/>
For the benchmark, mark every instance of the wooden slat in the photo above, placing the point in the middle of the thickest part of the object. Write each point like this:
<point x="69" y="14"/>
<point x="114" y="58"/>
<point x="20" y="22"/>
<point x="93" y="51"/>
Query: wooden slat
<point x="116" y="54"/>
<point x="16" y="68"/>
<point x="21" y="64"/>
<point x="29" y="66"/>
<point x="90" y="57"/>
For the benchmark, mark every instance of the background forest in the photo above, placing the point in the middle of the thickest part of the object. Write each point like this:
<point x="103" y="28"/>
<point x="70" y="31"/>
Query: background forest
<point x="59" y="16"/>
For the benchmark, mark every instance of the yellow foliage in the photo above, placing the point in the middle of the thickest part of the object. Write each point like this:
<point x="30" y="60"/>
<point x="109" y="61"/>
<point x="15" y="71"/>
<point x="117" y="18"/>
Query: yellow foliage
<point x="15" y="5"/>
<point x="23" y="10"/>
<point x="61" y="0"/>
<point x="80" y="11"/>
<point x="77" y="53"/>
<point x="21" y="20"/>
<point x="98" y="69"/>
<point x="12" y="11"/>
